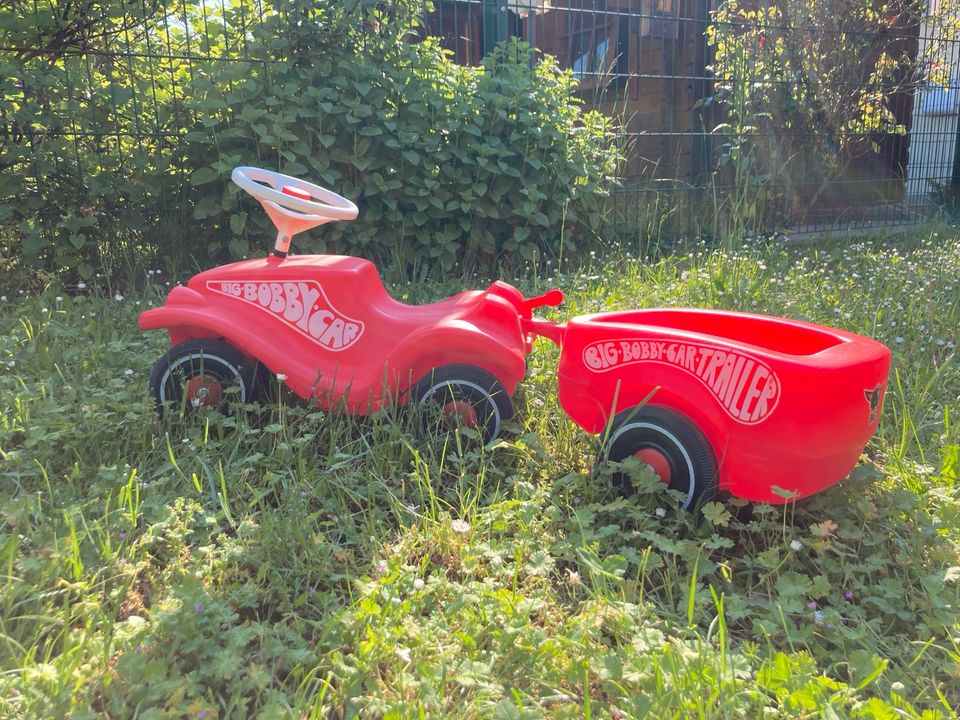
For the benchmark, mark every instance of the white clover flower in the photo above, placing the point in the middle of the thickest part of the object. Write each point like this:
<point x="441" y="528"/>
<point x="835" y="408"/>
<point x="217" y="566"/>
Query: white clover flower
<point x="12" y="363"/>
<point x="418" y="584"/>
<point x="3" y="298"/>
<point x="796" y="545"/>
<point x="898" y="340"/>
<point x="660" y="512"/>
<point x="118" y="297"/>
<point x="460" y="526"/>
<point x="403" y="653"/>
<point x="59" y="298"/>
<point x="128" y="372"/>
<point x="81" y="285"/>
<point x="281" y="377"/>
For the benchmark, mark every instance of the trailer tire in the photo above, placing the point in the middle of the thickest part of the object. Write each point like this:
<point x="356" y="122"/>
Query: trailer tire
<point x="668" y="441"/>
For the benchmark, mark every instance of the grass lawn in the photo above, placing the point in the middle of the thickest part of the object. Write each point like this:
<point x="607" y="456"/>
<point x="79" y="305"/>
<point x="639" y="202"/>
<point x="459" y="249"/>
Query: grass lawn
<point x="291" y="563"/>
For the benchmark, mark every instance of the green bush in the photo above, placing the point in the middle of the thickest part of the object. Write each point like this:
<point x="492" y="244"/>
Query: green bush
<point x="90" y="157"/>
<point x="447" y="163"/>
<point x="810" y="87"/>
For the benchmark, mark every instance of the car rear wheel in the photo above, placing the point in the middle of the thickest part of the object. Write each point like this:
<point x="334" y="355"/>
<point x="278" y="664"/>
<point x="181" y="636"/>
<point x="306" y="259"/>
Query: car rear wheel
<point x="204" y="373"/>
<point x="462" y="396"/>
<point x="669" y="443"/>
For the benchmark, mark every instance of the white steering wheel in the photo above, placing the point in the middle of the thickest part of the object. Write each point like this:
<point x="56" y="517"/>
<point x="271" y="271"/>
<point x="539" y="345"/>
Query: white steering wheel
<point x="294" y="205"/>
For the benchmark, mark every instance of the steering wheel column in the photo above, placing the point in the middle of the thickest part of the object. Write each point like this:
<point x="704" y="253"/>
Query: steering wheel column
<point x="293" y="205"/>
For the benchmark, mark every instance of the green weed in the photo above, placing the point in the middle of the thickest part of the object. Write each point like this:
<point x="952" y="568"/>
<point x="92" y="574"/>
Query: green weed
<point x="288" y="562"/>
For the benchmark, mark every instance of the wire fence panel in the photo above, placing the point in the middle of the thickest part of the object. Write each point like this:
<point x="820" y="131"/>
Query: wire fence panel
<point x="770" y="115"/>
<point x="788" y="115"/>
<point x="93" y="113"/>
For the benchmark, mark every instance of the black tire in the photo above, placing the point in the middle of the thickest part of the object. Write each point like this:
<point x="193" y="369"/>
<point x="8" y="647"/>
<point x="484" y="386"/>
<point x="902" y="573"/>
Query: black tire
<point x="204" y="372"/>
<point x="675" y="446"/>
<point x="448" y="393"/>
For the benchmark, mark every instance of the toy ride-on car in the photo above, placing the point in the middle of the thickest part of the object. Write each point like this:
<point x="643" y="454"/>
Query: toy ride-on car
<point x="326" y="326"/>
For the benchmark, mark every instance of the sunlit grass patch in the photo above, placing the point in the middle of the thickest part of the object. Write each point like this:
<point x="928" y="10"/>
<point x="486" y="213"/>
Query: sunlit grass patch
<point x="285" y="561"/>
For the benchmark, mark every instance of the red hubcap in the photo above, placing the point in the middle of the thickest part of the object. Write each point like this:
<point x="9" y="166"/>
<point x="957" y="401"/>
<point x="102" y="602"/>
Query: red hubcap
<point x="460" y="413"/>
<point x="204" y="390"/>
<point x="658" y="461"/>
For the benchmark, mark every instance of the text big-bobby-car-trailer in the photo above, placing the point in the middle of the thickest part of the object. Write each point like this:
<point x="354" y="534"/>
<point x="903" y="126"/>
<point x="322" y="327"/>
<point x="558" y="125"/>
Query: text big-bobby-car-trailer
<point x="762" y="407"/>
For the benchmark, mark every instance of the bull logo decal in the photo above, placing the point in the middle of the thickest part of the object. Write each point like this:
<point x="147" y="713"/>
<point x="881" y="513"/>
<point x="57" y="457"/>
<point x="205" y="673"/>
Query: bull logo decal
<point x="873" y="398"/>
<point x="300" y="304"/>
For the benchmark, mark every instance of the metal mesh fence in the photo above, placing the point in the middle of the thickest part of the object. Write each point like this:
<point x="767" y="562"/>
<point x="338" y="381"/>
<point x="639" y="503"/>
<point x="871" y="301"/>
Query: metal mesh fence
<point x="724" y="113"/>
<point x="870" y="140"/>
<point x="93" y="118"/>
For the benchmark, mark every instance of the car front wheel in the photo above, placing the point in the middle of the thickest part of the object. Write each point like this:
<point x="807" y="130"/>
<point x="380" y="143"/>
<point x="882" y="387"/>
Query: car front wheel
<point x="203" y="373"/>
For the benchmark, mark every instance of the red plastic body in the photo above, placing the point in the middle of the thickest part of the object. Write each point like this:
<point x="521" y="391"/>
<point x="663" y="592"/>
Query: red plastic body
<point x="327" y="323"/>
<point x="787" y="406"/>
<point x="784" y="404"/>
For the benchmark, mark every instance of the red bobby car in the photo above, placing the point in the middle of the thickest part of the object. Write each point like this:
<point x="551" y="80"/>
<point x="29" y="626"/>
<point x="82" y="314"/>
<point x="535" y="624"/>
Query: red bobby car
<point x="765" y="408"/>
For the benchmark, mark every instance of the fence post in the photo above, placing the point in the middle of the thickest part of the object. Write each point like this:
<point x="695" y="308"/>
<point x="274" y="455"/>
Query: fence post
<point x="495" y="23"/>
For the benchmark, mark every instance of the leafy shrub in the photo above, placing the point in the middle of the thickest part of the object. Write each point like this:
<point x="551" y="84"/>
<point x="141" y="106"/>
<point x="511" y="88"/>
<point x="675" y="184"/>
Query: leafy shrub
<point x="810" y="86"/>
<point x="89" y="154"/>
<point x="445" y="162"/>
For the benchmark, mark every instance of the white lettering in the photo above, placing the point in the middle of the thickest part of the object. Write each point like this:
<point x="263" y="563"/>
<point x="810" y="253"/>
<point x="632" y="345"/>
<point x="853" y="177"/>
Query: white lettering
<point x="301" y="304"/>
<point x="746" y="388"/>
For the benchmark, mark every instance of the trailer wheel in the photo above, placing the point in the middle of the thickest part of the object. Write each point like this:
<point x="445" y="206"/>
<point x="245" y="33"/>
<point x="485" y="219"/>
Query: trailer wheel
<point x="672" y="445"/>
<point x="204" y="373"/>
<point x="453" y="396"/>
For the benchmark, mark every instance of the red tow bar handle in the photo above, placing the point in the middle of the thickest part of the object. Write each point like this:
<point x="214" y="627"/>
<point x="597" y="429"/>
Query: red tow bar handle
<point x="551" y="297"/>
<point x="543" y="328"/>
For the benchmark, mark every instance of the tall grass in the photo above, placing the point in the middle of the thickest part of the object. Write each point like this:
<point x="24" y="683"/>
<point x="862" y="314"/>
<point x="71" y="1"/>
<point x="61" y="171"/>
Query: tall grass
<point x="289" y="562"/>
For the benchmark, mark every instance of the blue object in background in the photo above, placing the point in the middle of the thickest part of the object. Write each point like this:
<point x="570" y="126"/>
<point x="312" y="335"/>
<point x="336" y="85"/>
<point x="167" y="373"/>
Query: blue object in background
<point x="941" y="100"/>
